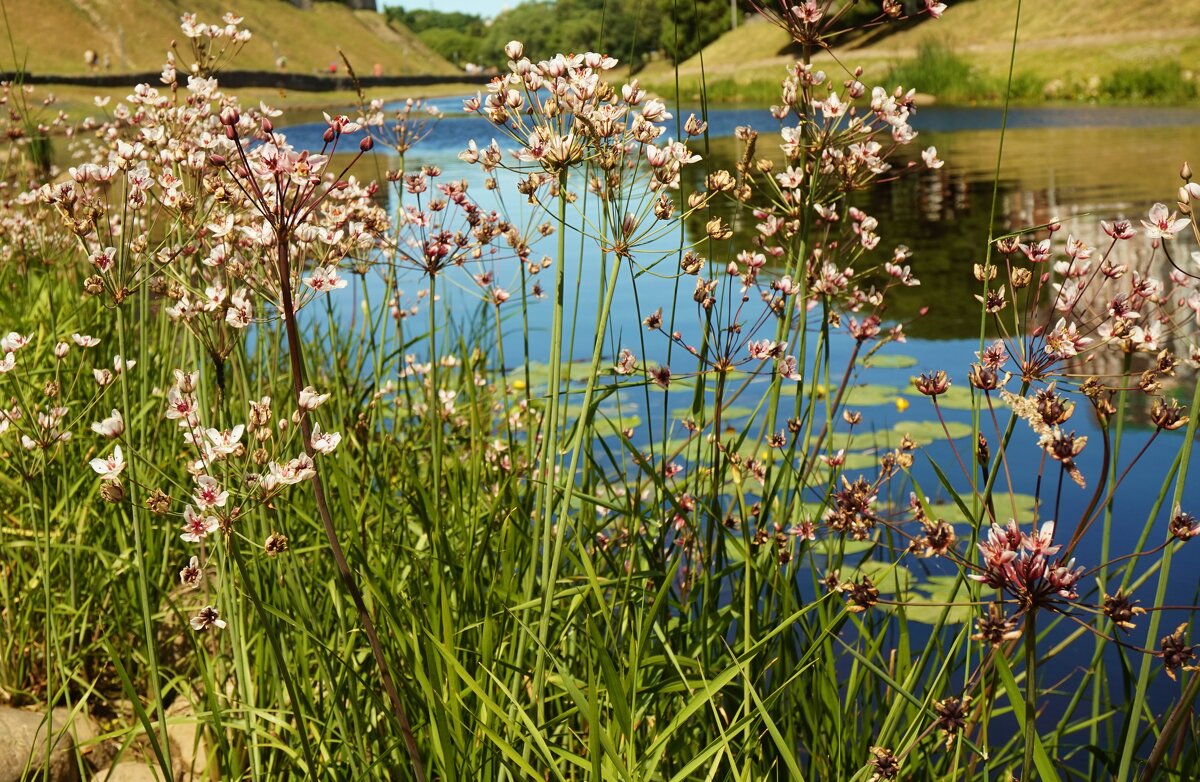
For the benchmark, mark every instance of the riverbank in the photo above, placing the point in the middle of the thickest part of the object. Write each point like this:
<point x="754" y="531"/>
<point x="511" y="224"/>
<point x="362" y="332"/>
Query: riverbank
<point x="1069" y="52"/>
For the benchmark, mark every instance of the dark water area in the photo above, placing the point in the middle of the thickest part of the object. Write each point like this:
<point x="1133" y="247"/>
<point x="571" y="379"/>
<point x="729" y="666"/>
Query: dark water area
<point x="1076" y="165"/>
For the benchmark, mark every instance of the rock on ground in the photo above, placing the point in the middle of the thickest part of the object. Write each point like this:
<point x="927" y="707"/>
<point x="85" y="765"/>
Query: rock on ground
<point x="23" y="738"/>
<point x="129" y="771"/>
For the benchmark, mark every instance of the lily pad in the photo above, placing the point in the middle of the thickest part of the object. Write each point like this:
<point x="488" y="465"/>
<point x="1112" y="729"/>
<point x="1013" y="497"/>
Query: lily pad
<point x="926" y="432"/>
<point x="889" y="361"/>
<point x="886" y="576"/>
<point x="1023" y="513"/>
<point x="924" y="596"/>
<point x="870" y="395"/>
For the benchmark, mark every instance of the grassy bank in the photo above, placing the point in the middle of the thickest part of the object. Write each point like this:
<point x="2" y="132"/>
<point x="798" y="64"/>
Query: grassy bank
<point x="1070" y="51"/>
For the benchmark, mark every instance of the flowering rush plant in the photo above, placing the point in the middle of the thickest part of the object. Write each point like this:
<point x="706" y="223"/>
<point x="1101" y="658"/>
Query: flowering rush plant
<point x="481" y="529"/>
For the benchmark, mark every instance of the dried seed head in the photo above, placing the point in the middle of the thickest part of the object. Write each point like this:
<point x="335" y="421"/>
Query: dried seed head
<point x="1121" y="610"/>
<point x="1175" y="652"/>
<point x="1168" y="415"/>
<point x="158" y="502"/>
<point x="983" y="272"/>
<point x="884" y="761"/>
<point x="718" y="229"/>
<point x="995" y="628"/>
<point x="276" y="544"/>
<point x="1020" y="278"/>
<point x="1052" y="407"/>
<point x="861" y="594"/>
<point x="932" y="384"/>
<point x="985" y="378"/>
<point x="112" y="491"/>
<point x="951" y="717"/>
<point x="1183" y="526"/>
<point x="1008" y="245"/>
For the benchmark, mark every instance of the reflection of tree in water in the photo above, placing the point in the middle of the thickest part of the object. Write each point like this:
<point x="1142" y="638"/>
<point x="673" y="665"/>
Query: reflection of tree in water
<point x="942" y="216"/>
<point x="937" y="214"/>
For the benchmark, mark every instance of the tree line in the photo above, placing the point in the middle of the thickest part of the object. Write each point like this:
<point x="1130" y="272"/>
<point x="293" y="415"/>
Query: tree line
<point x="633" y="31"/>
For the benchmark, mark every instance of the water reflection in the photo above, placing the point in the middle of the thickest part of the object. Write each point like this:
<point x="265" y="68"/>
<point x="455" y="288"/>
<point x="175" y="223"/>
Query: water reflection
<point x="1078" y="175"/>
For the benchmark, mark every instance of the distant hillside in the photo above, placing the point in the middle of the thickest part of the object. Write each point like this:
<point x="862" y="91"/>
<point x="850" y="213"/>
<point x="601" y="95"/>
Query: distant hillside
<point x="51" y="36"/>
<point x="1060" y="44"/>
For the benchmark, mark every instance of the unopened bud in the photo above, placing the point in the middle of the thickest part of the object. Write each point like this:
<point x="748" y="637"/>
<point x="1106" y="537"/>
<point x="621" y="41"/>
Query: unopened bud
<point x="267" y="126"/>
<point x="328" y="136"/>
<point x="1185" y="172"/>
<point x="230" y="132"/>
<point x="366" y="144"/>
<point x="217" y="160"/>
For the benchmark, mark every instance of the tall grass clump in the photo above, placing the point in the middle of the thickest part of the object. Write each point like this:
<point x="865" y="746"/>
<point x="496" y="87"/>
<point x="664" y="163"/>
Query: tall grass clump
<point x="1163" y="82"/>
<point x="325" y="462"/>
<point x="939" y="71"/>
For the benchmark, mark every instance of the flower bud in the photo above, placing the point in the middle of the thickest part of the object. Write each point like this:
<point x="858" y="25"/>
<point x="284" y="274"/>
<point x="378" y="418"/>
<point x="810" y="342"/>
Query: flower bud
<point x="229" y="116"/>
<point x="1185" y="172"/>
<point x="328" y="136"/>
<point x="514" y="49"/>
<point x="366" y="144"/>
<point x="267" y="126"/>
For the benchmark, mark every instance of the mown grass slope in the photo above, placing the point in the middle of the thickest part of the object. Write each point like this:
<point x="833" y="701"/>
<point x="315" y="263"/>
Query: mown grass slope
<point x="51" y="36"/>
<point x="1066" y="49"/>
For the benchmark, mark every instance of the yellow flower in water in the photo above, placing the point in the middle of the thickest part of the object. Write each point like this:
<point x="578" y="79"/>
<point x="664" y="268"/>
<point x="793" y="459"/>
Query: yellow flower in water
<point x="901" y="404"/>
<point x="519" y="385"/>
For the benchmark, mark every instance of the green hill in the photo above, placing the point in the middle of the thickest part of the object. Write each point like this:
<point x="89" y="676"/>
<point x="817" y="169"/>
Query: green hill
<point x="51" y="36"/>
<point x="1066" y="49"/>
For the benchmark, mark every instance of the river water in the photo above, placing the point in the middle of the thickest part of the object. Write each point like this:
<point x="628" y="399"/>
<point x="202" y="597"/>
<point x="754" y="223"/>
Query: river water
<point x="1079" y="165"/>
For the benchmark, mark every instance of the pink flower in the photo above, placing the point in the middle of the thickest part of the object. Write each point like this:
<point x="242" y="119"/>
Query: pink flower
<point x="111" y="466"/>
<point x="935" y="8"/>
<point x="191" y="576"/>
<point x="1064" y="340"/>
<point x="1163" y="225"/>
<point x="324" y="442"/>
<point x="13" y="342"/>
<point x="208" y="493"/>
<point x="111" y="427"/>
<point x="225" y="442"/>
<point x="180" y="406"/>
<point x="197" y="526"/>
<point x="626" y="363"/>
<point x="310" y="399"/>
<point x="1121" y="229"/>
<point x="324" y="279"/>
<point x="206" y="618"/>
<point x="103" y="259"/>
